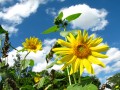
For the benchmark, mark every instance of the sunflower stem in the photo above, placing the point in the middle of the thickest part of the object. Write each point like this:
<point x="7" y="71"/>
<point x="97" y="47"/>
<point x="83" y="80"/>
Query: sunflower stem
<point x="26" y="55"/>
<point x="79" y="80"/>
<point x="69" y="76"/>
<point x="74" y="77"/>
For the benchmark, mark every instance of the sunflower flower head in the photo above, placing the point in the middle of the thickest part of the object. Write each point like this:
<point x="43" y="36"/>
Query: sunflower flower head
<point x="32" y="44"/>
<point x="81" y="52"/>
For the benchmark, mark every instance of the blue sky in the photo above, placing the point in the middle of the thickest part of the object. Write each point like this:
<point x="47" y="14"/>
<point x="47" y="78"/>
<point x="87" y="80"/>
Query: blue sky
<point x="25" y="18"/>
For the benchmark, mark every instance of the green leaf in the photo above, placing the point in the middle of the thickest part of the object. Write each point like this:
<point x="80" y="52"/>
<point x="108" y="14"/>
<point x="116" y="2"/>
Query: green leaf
<point x="27" y="87"/>
<point x="60" y="15"/>
<point x="51" y="29"/>
<point x="2" y="30"/>
<point x="41" y="83"/>
<point x="75" y="87"/>
<point x="91" y="87"/>
<point x="31" y="62"/>
<point x="80" y="87"/>
<point x="72" y="17"/>
<point x="25" y="63"/>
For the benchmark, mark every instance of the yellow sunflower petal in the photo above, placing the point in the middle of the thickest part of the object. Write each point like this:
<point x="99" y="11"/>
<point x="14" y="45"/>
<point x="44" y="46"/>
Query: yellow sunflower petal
<point x="90" y="39"/>
<point x="81" y="67"/>
<point x="79" y="36"/>
<point x="77" y="65"/>
<point x="96" y="42"/>
<point x="63" y="52"/>
<point x="96" y="61"/>
<point x="85" y="35"/>
<point x="64" y="59"/>
<point x="87" y="65"/>
<point x="72" y="60"/>
<point x="99" y="55"/>
<point x="71" y="70"/>
<point x="100" y="48"/>
<point x="61" y="49"/>
<point x="64" y="43"/>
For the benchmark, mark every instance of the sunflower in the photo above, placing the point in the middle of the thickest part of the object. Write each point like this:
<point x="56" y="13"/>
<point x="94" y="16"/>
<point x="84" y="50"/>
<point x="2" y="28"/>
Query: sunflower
<point x="32" y="44"/>
<point x="81" y="51"/>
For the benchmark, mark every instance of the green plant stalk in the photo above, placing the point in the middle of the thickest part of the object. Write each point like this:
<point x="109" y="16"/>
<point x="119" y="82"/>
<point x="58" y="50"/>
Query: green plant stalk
<point x="25" y="57"/>
<point x="69" y="75"/>
<point x="74" y="77"/>
<point x="68" y="67"/>
<point x="79" y="80"/>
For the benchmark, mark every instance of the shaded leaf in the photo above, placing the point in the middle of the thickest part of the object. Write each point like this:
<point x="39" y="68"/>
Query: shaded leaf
<point x="51" y="29"/>
<point x="2" y="30"/>
<point x="31" y="62"/>
<point x="72" y="17"/>
<point x="41" y="83"/>
<point x="25" y="63"/>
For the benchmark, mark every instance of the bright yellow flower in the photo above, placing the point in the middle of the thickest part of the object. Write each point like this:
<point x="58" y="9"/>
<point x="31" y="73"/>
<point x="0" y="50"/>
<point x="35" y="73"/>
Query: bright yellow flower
<point x="32" y="44"/>
<point x="81" y="52"/>
<point x="36" y="79"/>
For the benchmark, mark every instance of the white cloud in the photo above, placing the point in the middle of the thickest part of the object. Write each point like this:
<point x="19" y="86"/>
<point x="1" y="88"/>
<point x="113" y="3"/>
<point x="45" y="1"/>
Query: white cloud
<point x="91" y="18"/>
<point x="14" y="15"/>
<point x="51" y="11"/>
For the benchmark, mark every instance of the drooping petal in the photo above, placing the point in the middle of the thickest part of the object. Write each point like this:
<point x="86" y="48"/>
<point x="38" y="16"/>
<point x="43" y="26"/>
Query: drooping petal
<point x="81" y="67"/>
<point x="72" y="60"/>
<point x="77" y="65"/>
<point x="71" y="70"/>
<point x="69" y="62"/>
<point x="87" y="65"/>
<point x="99" y="55"/>
<point x="64" y="43"/>
<point x="94" y="60"/>
<point x="64" y="59"/>
<point x="100" y="48"/>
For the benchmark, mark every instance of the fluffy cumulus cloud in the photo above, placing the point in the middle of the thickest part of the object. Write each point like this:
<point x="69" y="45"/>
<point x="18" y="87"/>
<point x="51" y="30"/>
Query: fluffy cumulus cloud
<point x="39" y="57"/>
<point x="91" y="18"/>
<point x="14" y="15"/>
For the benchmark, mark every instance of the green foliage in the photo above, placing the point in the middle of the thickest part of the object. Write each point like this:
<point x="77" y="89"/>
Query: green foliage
<point x="115" y="80"/>
<point x="2" y="31"/>
<point x="61" y="23"/>
<point x="51" y="29"/>
<point x="41" y="83"/>
<point x="80" y="87"/>
<point x="72" y="17"/>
